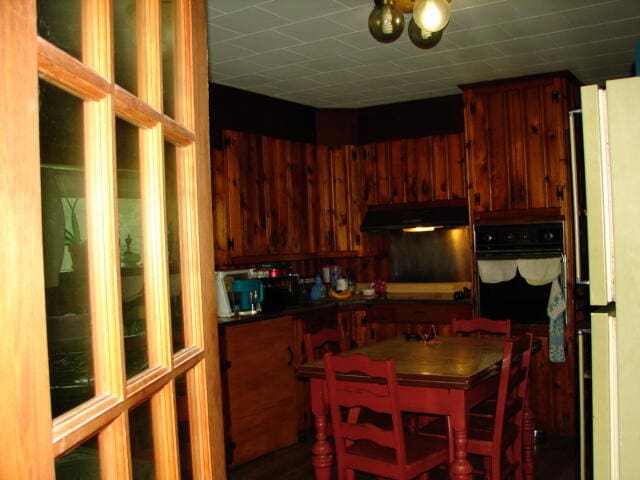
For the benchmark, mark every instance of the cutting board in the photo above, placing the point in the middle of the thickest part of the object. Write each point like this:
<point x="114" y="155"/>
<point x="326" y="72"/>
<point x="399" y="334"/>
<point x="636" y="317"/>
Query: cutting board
<point x="421" y="290"/>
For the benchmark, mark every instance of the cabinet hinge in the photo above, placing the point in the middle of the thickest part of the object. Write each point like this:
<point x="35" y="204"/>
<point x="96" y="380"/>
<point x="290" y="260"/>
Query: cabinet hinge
<point x="555" y="96"/>
<point x="560" y="192"/>
<point x="226" y="365"/>
<point x="472" y="107"/>
<point x="230" y="243"/>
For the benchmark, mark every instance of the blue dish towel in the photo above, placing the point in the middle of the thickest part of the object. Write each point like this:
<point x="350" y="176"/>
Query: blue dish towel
<point x="556" y="312"/>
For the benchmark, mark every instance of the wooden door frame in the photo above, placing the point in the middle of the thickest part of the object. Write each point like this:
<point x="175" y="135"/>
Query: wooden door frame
<point x="25" y="416"/>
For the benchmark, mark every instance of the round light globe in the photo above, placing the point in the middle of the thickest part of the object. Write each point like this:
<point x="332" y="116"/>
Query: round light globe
<point x="386" y="22"/>
<point x="431" y="15"/>
<point x="423" y="39"/>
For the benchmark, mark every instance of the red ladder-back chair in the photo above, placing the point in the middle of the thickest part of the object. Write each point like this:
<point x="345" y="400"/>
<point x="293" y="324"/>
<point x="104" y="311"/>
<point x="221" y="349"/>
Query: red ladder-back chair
<point x="366" y="447"/>
<point x="328" y="339"/>
<point x="480" y="326"/>
<point x="499" y="438"/>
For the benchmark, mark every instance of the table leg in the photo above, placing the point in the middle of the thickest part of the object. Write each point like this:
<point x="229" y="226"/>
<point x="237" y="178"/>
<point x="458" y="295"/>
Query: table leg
<point x="321" y="452"/>
<point x="528" y="426"/>
<point x="461" y="468"/>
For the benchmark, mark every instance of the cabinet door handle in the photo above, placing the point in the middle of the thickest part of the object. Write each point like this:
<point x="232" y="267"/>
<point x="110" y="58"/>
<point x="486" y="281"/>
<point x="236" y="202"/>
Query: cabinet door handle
<point x="290" y="350"/>
<point x="476" y="199"/>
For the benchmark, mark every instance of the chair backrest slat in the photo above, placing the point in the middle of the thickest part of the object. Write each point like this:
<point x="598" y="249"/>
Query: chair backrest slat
<point x="375" y="389"/>
<point x="514" y="375"/>
<point x="480" y="326"/>
<point x="327" y="339"/>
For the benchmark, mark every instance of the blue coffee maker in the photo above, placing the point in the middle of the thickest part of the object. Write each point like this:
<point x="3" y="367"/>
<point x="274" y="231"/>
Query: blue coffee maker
<point x="247" y="295"/>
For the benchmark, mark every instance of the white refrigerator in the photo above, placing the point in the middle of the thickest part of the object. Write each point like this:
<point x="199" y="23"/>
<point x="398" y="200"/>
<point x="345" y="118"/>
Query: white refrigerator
<point x="611" y="140"/>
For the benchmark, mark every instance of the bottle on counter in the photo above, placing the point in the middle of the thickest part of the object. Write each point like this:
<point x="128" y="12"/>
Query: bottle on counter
<point x="318" y="291"/>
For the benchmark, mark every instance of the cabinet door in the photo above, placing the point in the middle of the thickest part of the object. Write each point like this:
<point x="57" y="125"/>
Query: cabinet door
<point x="261" y="385"/>
<point x="227" y="195"/>
<point x="334" y="232"/>
<point x="516" y="140"/>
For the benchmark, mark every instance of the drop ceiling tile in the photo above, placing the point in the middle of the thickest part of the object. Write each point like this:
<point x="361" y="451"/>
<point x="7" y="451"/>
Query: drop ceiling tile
<point x="314" y="29"/>
<point x="489" y="14"/>
<point x="290" y="71"/>
<point x="530" y="26"/>
<point x="329" y="63"/>
<point x="248" y="21"/>
<point x="525" y="45"/>
<point x="322" y="48"/>
<point x="219" y="34"/>
<point x="298" y="10"/>
<point x="297" y="84"/>
<point x="250" y="80"/>
<point x="591" y="38"/>
<point x="225" y="51"/>
<point x="336" y="78"/>
<point x="479" y="36"/>
<point x="376" y="70"/>
<point x="594" y="14"/>
<point x="236" y="68"/>
<point x="232" y="5"/>
<point x="554" y="7"/>
<point x="276" y="58"/>
<point x="514" y="61"/>
<point x="355" y="19"/>
<point x="264" y="41"/>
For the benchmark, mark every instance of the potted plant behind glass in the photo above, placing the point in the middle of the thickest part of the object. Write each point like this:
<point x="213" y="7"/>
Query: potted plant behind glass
<point x="73" y="240"/>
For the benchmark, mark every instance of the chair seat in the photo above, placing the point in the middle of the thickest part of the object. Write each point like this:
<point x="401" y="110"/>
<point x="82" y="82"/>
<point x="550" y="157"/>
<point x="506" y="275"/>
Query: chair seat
<point x="415" y="445"/>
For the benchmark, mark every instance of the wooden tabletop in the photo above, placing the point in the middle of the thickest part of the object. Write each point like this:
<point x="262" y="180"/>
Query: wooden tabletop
<point x="445" y="362"/>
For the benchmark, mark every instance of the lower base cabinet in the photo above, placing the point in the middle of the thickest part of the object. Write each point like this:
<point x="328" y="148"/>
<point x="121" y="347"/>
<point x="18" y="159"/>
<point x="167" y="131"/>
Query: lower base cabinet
<point x="259" y="388"/>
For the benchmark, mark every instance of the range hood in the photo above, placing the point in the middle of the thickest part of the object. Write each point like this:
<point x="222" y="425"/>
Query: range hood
<point x="444" y="213"/>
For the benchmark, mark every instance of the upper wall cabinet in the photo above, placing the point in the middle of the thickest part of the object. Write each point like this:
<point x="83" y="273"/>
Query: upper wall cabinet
<point x="414" y="170"/>
<point x="332" y="185"/>
<point x="516" y="136"/>
<point x="260" y="196"/>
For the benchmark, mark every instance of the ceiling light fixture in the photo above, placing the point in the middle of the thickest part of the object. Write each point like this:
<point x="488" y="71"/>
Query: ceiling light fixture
<point x="429" y="19"/>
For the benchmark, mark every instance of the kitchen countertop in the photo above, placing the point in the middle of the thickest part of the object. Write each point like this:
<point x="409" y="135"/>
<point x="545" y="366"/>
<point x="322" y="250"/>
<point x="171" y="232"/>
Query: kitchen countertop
<point x="355" y="300"/>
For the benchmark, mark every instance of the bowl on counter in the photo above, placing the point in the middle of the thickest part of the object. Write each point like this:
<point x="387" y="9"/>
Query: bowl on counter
<point x="368" y="292"/>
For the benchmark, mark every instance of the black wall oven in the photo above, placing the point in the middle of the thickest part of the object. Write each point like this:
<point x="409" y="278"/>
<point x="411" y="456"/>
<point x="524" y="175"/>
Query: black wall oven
<point x="515" y="265"/>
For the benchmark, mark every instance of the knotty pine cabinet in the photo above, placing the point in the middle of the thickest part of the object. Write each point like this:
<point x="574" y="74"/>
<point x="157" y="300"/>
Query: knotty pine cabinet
<point x="259" y="389"/>
<point x="414" y="170"/>
<point x="260" y="199"/>
<point x="516" y="135"/>
<point x="335" y="195"/>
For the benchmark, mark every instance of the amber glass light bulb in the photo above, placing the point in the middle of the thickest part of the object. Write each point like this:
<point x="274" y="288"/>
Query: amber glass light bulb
<point x="423" y="38"/>
<point x="386" y="22"/>
<point x="432" y="15"/>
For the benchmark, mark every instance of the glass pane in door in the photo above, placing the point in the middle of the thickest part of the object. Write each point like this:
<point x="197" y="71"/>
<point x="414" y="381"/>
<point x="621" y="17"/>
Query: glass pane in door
<point x="168" y="58"/>
<point x="125" y="44"/>
<point x="83" y="462"/>
<point x="184" y="436"/>
<point x="141" y="441"/>
<point x="131" y="261"/>
<point x="59" y="23"/>
<point x="173" y="245"/>
<point x="65" y="248"/>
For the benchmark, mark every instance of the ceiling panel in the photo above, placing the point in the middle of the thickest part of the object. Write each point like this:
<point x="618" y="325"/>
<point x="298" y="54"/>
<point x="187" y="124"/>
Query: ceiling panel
<point x="320" y="53"/>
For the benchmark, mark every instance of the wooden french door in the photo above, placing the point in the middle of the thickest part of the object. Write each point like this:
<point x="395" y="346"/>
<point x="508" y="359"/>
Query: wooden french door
<point x="109" y="343"/>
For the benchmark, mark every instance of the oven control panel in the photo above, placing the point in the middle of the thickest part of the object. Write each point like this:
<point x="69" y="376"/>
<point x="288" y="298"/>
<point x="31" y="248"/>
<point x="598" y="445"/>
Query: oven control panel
<point x="547" y="237"/>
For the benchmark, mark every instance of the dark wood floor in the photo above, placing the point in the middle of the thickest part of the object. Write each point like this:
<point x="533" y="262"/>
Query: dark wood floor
<point x="555" y="459"/>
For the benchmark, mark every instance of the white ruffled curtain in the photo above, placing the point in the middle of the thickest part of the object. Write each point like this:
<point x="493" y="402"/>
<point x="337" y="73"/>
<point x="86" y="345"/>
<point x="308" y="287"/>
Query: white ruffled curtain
<point x="536" y="271"/>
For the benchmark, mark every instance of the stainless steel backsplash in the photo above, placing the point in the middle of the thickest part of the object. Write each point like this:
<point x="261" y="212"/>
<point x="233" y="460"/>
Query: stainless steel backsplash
<point x="443" y="255"/>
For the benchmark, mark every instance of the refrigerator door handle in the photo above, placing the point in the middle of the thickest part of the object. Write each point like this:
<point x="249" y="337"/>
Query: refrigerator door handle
<point x="576" y="205"/>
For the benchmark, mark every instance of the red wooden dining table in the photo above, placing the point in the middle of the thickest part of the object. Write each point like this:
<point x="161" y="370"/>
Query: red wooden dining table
<point x="446" y="376"/>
